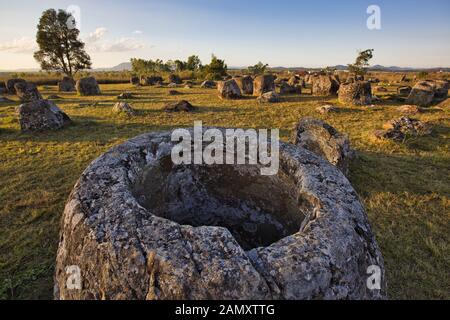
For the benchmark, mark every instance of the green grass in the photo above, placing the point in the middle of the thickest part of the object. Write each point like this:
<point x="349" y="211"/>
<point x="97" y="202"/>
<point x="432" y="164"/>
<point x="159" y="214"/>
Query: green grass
<point x="405" y="187"/>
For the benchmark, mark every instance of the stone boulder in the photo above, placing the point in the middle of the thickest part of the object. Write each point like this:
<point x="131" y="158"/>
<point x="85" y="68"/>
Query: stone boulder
<point x="322" y="139"/>
<point x="178" y="106"/>
<point x="409" y="109"/>
<point x="27" y="91"/>
<point x="87" y="87"/>
<point x="398" y="129"/>
<point x="245" y="83"/>
<point x="173" y="78"/>
<point x="325" y="85"/>
<point x="66" y="84"/>
<point x="422" y="94"/>
<point x="327" y="109"/>
<point x="208" y="84"/>
<point x="135" y="81"/>
<point x="229" y="89"/>
<point x="380" y="89"/>
<point x="151" y="81"/>
<point x="41" y="115"/>
<point x="356" y="93"/>
<point x="294" y="81"/>
<point x="286" y="88"/>
<point x="404" y="91"/>
<point x="263" y="84"/>
<point x="441" y="90"/>
<point x="10" y="83"/>
<point x="3" y="89"/>
<point x="269" y="97"/>
<point x="124" y="108"/>
<point x="137" y="226"/>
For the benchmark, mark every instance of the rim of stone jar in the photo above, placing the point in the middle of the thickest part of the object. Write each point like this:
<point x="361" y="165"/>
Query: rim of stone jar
<point x="336" y="207"/>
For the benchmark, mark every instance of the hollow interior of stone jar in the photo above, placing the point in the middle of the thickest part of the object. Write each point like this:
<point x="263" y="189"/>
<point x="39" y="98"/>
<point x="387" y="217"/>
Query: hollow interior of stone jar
<point x="258" y="210"/>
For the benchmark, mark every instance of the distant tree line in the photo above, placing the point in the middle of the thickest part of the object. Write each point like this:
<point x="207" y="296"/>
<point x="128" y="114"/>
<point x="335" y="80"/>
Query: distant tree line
<point x="216" y="69"/>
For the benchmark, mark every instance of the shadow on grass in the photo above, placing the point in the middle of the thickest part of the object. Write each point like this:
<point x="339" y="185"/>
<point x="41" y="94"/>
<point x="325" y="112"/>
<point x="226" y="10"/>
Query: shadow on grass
<point x="85" y="129"/>
<point x="374" y="172"/>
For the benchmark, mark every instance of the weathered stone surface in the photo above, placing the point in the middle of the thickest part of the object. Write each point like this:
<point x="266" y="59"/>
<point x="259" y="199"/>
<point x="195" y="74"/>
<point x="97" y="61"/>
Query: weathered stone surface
<point x="319" y="137"/>
<point x="325" y="85"/>
<point x="394" y="135"/>
<point x="140" y="227"/>
<point x="27" y="91"/>
<point x="269" y="97"/>
<point x="441" y="89"/>
<point x="286" y="88"/>
<point x="294" y="81"/>
<point x="404" y="91"/>
<point x="9" y="84"/>
<point x="173" y="78"/>
<point x="178" y="106"/>
<point x="422" y="94"/>
<point x="66" y="84"/>
<point x="125" y="96"/>
<point x="398" y="129"/>
<point x="380" y="89"/>
<point x="209" y="84"/>
<point x="409" y="109"/>
<point x="263" y="84"/>
<point x="41" y="115"/>
<point x="3" y="89"/>
<point x="245" y="83"/>
<point x="151" y="81"/>
<point x="327" y="109"/>
<point x="125" y="108"/>
<point x="356" y="93"/>
<point x="87" y="87"/>
<point x="229" y="89"/>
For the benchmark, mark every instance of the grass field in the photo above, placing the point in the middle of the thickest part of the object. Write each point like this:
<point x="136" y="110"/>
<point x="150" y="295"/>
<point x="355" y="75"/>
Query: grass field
<point x="405" y="187"/>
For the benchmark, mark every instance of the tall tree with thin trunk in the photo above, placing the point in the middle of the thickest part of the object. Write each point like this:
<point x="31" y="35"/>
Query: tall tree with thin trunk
<point x="59" y="46"/>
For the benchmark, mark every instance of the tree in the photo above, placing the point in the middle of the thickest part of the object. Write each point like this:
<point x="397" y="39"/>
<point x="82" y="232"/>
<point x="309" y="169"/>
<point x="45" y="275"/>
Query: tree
<point x="59" y="46"/>
<point x="258" y="68"/>
<point x="216" y="68"/>
<point x="359" y="68"/>
<point x="193" y="63"/>
<point x="180" y="65"/>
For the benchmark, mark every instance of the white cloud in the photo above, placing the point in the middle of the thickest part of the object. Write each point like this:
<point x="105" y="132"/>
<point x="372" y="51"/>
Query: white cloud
<point x="95" y="42"/>
<point x="97" y="35"/>
<point x="137" y="32"/>
<point x="21" y="45"/>
<point x="121" y="45"/>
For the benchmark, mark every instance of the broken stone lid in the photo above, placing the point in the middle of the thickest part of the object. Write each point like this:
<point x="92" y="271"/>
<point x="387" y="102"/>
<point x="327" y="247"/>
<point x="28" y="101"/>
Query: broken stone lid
<point x="137" y="226"/>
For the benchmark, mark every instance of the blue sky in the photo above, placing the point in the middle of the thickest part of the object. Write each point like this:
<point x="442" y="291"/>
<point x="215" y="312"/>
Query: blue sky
<point x="284" y="32"/>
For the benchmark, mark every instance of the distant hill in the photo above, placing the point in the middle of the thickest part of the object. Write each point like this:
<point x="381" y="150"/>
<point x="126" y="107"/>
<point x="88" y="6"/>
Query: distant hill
<point x="124" y="66"/>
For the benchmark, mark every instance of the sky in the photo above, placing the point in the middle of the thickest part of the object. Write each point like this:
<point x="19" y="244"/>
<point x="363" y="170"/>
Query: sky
<point x="290" y="33"/>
